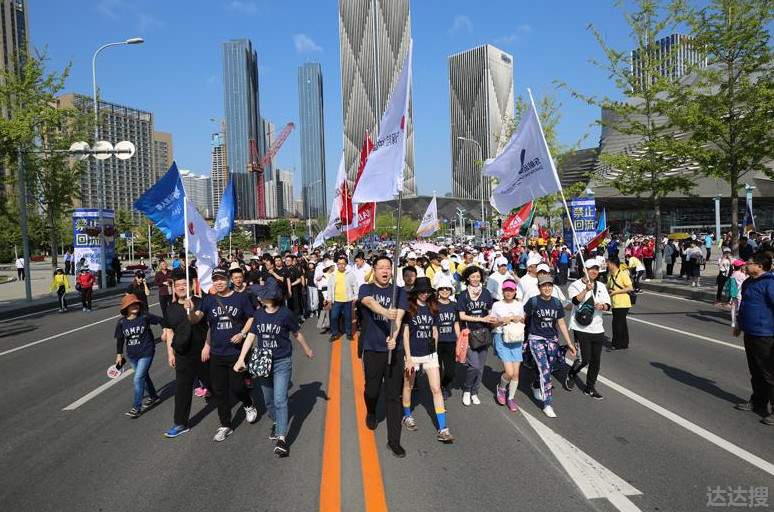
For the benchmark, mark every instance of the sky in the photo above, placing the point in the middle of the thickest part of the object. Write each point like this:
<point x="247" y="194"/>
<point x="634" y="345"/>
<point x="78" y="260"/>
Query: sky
<point x="177" y="72"/>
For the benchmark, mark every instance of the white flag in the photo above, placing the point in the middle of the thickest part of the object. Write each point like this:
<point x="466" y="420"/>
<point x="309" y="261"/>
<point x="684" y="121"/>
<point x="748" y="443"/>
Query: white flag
<point x="525" y="167"/>
<point x="429" y="223"/>
<point x="382" y="178"/>
<point x="200" y="240"/>
<point x="335" y="226"/>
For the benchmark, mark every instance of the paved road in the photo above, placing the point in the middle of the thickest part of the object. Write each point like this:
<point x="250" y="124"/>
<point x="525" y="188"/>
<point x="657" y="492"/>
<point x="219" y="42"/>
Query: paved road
<point x="665" y="432"/>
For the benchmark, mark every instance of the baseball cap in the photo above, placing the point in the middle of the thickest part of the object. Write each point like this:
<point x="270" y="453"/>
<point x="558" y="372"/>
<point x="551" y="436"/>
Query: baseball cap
<point x="534" y="259"/>
<point x="591" y="263"/>
<point x="445" y="264"/>
<point x="501" y="261"/>
<point x="545" y="279"/>
<point x="509" y="284"/>
<point x="412" y="255"/>
<point x="543" y="268"/>
<point x="219" y="273"/>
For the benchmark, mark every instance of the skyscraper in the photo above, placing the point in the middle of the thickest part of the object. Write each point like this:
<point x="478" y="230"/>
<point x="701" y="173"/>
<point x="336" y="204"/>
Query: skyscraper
<point x="310" y="110"/>
<point x="286" y="205"/>
<point x="481" y="106"/>
<point x="674" y="55"/>
<point x="242" y="112"/>
<point x="162" y="154"/>
<point x="374" y="36"/>
<point x="218" y="169"/>
<point x="198" y="189"/>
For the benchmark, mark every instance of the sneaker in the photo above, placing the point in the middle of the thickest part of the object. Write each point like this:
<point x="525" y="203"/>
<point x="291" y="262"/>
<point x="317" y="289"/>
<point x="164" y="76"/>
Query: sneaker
<point x="593" y="394"/>
<point x="83" y="309"/>
<point x="466" y="398"/>
<point x="397" y="450"/>
<point x="251" y="414"/>
<point x="744" y="406"/>
<point x="768" y="420"/>
<point x="446" y="392"/>
<point x="175" y="431"/>
<point x="222" y="434"/>
<point x="371" y="422"/>
<point x="512" y="405"/>
<point x="549" y="411"/>
<point x="149" y="403"/>
<point x="410" y="423"/>
<point x="332" y="338"/>
<point x="500" y="395"/>
<point x="475" y="400"/>
<point x="273" y="433"/>
<point x="445" y="436"/>
<point x="281" y="448"/>
<point x="569" y="382"/>
<point x="537" y="393"/>
<point x="133" y="413"/>
<point x="199" y="392"/>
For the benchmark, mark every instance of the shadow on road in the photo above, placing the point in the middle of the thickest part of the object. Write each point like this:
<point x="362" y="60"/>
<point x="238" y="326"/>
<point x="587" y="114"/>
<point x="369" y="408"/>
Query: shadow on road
<point x="300" y="406"/>
<point x="17" y="329"/>
<point x="688" y="378"/>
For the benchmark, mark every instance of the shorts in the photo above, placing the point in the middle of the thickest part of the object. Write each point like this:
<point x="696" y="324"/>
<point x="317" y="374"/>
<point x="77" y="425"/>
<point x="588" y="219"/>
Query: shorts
<point x="507" y="352"/>
<point x="428" y="361"/>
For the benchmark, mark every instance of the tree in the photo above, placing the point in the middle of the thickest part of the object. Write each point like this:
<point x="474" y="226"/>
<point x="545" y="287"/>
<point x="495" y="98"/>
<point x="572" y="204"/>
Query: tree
<point x="40" y="133"/>
<point x="728" y="111"/>
<point x="642" y="76"/>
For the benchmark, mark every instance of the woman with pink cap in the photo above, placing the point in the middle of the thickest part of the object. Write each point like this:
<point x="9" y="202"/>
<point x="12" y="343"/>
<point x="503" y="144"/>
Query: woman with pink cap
<point x="508" y="337"/>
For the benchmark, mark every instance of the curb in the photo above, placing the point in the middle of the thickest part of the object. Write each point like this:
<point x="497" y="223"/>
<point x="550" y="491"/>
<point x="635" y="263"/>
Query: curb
<point x="702" y="295"/>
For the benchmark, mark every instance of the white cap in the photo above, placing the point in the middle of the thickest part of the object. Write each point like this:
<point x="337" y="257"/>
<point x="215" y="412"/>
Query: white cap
<point x="411" y="255"/>
<point x="534" y="259"/>
<point x="543" y="268"/>
<point x="592" y="262"/>
<point x="443" y="281"/>
<point x="445" y="264"/>
<point x="501" y="261"/>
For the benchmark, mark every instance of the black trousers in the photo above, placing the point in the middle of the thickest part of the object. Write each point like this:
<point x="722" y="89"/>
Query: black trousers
<point x="670" y="267"/>
<point x="591" y="354"/>
<point x="187" y="368"/>
<point x="377" y="372"/>
<point x="60" y="293"/>
<point x="164" y="302"/>
<point x="721" y="281"/>
<point x="648" y="267"/>
<point x="86" y="294"/>
<point x="20" y="273"/>
<point x="620" y="328"/>
<point x="760" y="360"/>
<point x="225" y="383"/>
<point x="446" y="358"/>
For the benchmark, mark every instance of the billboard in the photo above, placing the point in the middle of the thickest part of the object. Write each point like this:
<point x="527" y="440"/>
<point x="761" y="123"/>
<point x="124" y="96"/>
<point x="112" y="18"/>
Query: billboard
<point x="86" y="231"/>
<point x="583" y="215"/>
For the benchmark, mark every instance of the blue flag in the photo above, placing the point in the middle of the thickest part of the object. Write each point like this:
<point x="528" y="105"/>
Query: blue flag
<point x="224" y="221"/>
<point x="163" y="204"/>
<point x="602" y="224"/>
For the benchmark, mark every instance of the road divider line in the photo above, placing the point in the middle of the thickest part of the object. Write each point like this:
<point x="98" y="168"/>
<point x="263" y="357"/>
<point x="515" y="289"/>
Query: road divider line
<point x="330" y="482"/>
<point x="104" y="387"/>
<point x="373" y="485"/>
<point x="55" y="336"/>
<point x="685" y="333"/>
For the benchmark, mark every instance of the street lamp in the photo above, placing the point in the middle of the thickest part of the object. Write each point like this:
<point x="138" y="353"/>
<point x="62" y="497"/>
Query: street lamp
<point x="100" y="169"/>
<point x="480" y="158"/>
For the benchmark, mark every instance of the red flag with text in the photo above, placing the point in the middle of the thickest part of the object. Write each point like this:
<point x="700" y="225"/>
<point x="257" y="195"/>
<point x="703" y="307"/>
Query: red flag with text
<point x="366" y="213"/>
<point x="513" y="223"/>
<point x="594" y="242"/>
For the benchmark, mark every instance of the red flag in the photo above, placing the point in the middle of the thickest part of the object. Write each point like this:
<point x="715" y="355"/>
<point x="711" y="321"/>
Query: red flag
<point x="366" y="213"/>
<point x="513" y="223"/>
<point x="543" y="232"/>
<point x="594" y="242"/>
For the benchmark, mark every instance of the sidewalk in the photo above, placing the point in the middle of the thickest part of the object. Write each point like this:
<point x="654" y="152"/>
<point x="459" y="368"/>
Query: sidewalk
<point x="682" y="287"/>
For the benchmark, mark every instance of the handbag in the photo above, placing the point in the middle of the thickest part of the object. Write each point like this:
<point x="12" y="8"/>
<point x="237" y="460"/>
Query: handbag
<point x="513" y="332"/>
<point x="584" y="314"/>
<point x="480" y="338"/>
<point x="259" y="364"/>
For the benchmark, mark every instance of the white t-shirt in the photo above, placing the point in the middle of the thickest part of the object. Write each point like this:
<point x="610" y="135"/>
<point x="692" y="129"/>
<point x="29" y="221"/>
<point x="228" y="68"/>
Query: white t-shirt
<point x="528" y="288"/>
<point x="361" y="273"/>
<point x="19" y="262"/>
<point x="495" y="284"/>
<point x="501" y="309"/>
<point x="600" y="297"/>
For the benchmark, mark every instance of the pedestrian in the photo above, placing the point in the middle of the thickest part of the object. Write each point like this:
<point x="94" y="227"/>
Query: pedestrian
<point x="756" y="321"/>
<point x="81" y="263"/>
<point x="724" y="273"/>
<point x="163" y="281"/>
<point x="670" y="255"/>
<point x="139" y="288"/>
<point x="115" y="266"/>
<point x="84" y="283"/>
<point x="733" y="288"/>
<point x="382" y="358"/>
<point x="708" y="241"/>
<point x="326" y="271"/>
<point x="133" y="331"/>
<point x="620" y="287"/>
<point x="498" y="277"/>
<point x="229" y="315"/>
<point x="184" y="334"/>
<point x="269" y="339"/>
<point x="295" y="276"/>
<point x="544" y="315"/>
<point x="448" y="332"/>
<point x="508" y="340"/>
<point x="20" y="268"/>
<point x="68" y="261"/>
<point x="312" y="294"/>
<point x="694" y="258"/>
<point x="474" y="306"/>
<point x="589" y="299"/>
<point x="636" y="271"/>
<point x="61" y="285"/>
<point x="563" y="265"/>
<point x="343" y="290"/>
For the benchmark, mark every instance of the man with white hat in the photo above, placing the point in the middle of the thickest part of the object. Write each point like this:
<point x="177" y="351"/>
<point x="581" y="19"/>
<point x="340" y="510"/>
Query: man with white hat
<point x="495" y="282"/>
<point x="528" y="286"/>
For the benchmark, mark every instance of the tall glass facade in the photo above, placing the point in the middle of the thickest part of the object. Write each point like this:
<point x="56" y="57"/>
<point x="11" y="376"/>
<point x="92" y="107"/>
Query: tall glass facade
<point x="310" y="109"/>
<point x="242" y="112"/>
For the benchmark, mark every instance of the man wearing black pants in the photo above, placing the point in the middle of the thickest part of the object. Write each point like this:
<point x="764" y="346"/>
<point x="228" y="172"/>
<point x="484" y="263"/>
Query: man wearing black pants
<point x="382" y="356"/>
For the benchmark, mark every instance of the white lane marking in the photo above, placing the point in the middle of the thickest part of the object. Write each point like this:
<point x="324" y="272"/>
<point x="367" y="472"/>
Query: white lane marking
<point x="54" y="336"/>
<point x="104" y="387"/>
<point x="593" y="479"/>
<point x="54" y="309"/>
<point x="686" y="333"/>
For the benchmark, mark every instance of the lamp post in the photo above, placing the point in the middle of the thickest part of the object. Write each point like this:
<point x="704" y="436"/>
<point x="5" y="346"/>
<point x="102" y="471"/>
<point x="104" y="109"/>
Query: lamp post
<point x="481" y="170"/>
<point x="100" y="168"/>
<point x="717" y="219"/>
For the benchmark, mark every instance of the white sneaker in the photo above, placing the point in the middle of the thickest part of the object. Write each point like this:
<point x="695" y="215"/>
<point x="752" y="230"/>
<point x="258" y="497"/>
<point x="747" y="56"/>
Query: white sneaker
<point x="549" y="411"/>
<point x="475" y="400"/>
<point x="538" y="394"/>
<point x="222" y="434"/>
<point x="466" y="398"/>
<point x="251" y="414"/>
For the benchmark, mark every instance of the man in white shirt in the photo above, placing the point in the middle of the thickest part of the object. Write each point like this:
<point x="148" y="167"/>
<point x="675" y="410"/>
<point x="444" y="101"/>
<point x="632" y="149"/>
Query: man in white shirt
<point x="589" y="300"/>
<point x="528" y="286"/>
<point x="495" y="282"/>
<point x="361" y="269"/>
<point x="20" y="268"/>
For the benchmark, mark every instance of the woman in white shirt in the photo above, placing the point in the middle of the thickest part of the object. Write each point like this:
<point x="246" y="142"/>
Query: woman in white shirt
<point x="508" y="337"/>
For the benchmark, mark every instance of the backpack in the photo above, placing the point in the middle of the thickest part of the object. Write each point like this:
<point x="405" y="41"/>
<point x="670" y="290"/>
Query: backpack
<point x="563" y="258"/>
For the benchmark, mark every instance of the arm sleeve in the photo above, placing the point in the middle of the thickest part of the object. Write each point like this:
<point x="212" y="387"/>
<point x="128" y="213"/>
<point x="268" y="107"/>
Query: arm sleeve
<point x="154" y="319"/>
<point x="119" y="339"/>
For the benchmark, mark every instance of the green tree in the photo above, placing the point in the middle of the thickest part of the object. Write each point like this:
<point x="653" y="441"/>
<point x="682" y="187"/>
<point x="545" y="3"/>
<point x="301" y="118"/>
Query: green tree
<point x="280" y="227"/>
<point x="728" y="112"/>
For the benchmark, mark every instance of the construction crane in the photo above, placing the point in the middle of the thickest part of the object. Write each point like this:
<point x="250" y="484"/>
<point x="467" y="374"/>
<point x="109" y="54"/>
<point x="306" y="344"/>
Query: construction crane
<point x="257" y="165"/>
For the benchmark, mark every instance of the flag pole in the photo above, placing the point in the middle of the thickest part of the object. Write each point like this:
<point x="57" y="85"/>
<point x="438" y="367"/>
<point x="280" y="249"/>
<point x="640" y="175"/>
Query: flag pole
<point x="185" y="248"/>
<point x="395" y="261"/>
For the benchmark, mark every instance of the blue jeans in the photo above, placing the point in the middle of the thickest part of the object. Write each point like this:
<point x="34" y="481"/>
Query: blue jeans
<point x="142" y="380"/>
<point x="275" y="393"/>
<point x="338" y="309"/>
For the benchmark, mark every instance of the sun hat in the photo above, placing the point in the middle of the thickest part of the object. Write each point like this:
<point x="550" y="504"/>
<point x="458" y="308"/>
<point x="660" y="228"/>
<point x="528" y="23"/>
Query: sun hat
<point x="411" y="255"/>
<point x="534" y="259"/>
<point x="234" y="267"/>
<point x="543" y="267"/>
<point x="422" y="284"/>
<point x="443" y="281"/>
<point x="509" y="284"/>
<point x="545" y="280"/>
<point x="501" y="261"/>
<point x="128" y="300"/>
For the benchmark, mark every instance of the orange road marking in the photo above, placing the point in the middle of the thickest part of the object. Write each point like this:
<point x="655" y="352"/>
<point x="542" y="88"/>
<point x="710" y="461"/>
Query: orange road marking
<point x="330" y="482"/>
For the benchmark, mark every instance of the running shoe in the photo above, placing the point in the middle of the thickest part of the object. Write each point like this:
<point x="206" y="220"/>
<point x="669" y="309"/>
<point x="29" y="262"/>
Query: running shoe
<point x="569" y="382"/>
<point x="501" y="395"/>
<point x="537" y="393"/>
<point x="150" y="403"/>
<point x="475" y="400"/>
<point x="593" y="394"/>
<point x="281" y="448"/>
<point x="768" y="420"/>
<point x="466" y="398"/>
<point x="445" y="436"/>
<point x="133" y="413"/>
<point x="549" y="411"/>
<point x="273" y="433"/>
<point x="410" y="423"/>
<point x="512" y="405"/>
<point x="251" y="414"/>
<point x="175" y="431"/>
<point x="446" y="392"/>
<point x="222" y="434"/>
<point x="397" y="450"/>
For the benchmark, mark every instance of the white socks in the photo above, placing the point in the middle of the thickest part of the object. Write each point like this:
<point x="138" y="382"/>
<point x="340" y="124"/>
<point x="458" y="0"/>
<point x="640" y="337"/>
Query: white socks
<point x="512" y="386"/>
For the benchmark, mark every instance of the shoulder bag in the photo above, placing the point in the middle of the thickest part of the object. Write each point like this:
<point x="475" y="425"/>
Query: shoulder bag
<point x="584" y="313"/>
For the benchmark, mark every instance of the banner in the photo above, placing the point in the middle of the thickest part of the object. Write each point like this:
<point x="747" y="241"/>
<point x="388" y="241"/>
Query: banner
<point x="200" y="241"/>
<point x="163" y="204"/>
<point x="602" y="224"/>
<point x="583" y="214"/>
<point x="524" y="168"/>
<point x="224" y="221"/>
<point x="512" y="225"/>
<point x="86" y="241"/>
<point x="429" y="224"/>
<point x="383" y="175"/>
<point x="335" y="225"/>
<point x="365" y="214"/>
